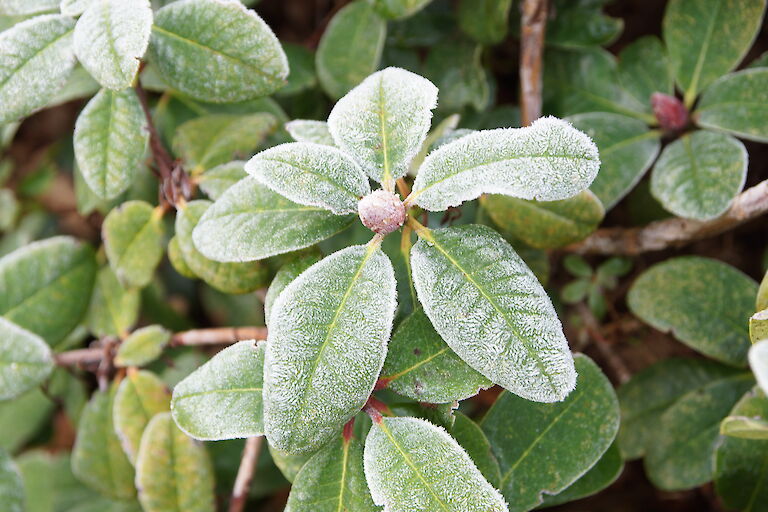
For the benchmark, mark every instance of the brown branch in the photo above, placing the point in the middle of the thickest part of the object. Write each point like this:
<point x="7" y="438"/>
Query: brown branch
<point x="675" y="232"/>
<point x="533" y="26"/>
<point x="245" y="473"/>
<point x="602" y="344"/>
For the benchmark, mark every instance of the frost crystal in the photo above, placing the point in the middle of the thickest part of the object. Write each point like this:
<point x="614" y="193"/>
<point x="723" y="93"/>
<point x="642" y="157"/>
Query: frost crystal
<point x="328" y="337"/>
<point x="307" y="130"/>
<point x="384" y="120"/>
<point x="382" y="212"/>
<point x="110" y="39"/>
<point x="311" y="174"/>
<point x="491" y="310"/>
<point x="36" y="57"/>
<point x="414" y="466"/>
<point x="548" y="161"/>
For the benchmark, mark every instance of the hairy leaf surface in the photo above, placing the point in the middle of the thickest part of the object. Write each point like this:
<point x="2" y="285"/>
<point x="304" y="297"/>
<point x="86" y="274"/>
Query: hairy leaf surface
<point x="383" y="121"/>
<point x="133" y="239"/>
<point x="26" y="7"/>
<point x="139" y="397"/>
<point x="223" y="398"/>
<point x="328" y="338"/>
<point x="307" y="130"/>
<point x="72" y="7"/>
<point x="548" y="161"/>
<point x="284" y="277"/>
<point x="214" y="182"/>
<point x="737" y="104"/>
<point x="513" y="335"/>
<point x="26" y="360"/>
<point x="142" y="346"/>
<point x="251" y="222"/>
<point x="472" y="438"/>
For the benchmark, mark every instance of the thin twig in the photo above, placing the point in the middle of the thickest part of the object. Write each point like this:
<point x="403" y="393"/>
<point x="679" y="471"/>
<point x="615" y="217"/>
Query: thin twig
<point x="603" y="346"/>
<point x="675" y="232"/>
<point x="245" y="473"/>
<point x="533" y="26"/>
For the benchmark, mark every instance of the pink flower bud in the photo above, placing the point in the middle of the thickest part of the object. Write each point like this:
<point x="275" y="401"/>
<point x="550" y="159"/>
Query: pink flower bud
<point x="669" y="111"/>
<point x="381" y="211"/>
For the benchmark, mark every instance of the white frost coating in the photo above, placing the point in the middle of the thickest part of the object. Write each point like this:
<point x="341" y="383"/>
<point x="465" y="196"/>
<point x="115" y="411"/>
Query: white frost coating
<point x="111" y="37"/>
<point x="74" y="7"/>
<point x="548" y="161"/>
<point x="251" y="222"/>
<point x="758" y="361"/>
<point x="311" y="174"/>
<point x="223" y="398"/>
<point x="36" y="58"/>
<point x="383" y="121"/>
<point x="414" y="466"/>
<point x="308" y="130"/>
<point x="110" y="140"/>
<point x="328" y="338"/>
<point x="492" y="311"/>
<point x="25" y="7"/>
<point x="26" y="360"/>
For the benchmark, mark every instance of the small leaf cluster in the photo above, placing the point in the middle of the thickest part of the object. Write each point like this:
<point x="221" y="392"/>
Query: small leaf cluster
<point x="592" y="284"/>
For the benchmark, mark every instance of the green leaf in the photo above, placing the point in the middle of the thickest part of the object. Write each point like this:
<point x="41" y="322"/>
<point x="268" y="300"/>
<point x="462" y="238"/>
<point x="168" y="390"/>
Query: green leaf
<point x="139" y="397"/>
<point x="110" y="141"/>
<point x="11" y="485"/>
<point x="627" y="149"/>
<point x="577" y="266"/>
<point x="513" y="336"/>
<point x="548" y="161"/>
<point x="350" y="48"/>
<point x="399" y="9"/>
<point x="214" y="182"/>
<point x="284" y="277"/>
<point x="758" y="362"/>
<point x="111" y="38"/>
<point x="225" y="277"/>
<point x="22" y="418"/>
<point x="312" y="175"/>
<point x="681" y="455"/>
<point x="245" y="59"/>
<point x="644" y="69"/>
<point x="704" y="303"/>
<point x="301" y="61"/>
<point x="26" y="360"/>
<point x="307" y="130"/>
<point x="133" y="239"/>
<point x="646" y="396"/>
<point x="214" y="139"/>
<point x="332" y="480"/>
<point x="177" y="259"/>
<point x="98" y="459"/>
<point x="745" y="427"/>
<point x="143" y="346"/>
<point x="758" y="326"/>
<point x="708" y="39"/>
<point x="250" y="222"/>
<point x="575" y="291"/>
<point x="223" y="398"/>
<point x="383" y="121"/>
<point x="114" y="309"/>
<point x="581" y="25"/>
<point x="412" y="465"/>
<point x="289" y="464"/>
<point x="45" y="287"/>
<point x="737" y="104"/>
<point x="420" y="365"/>
<point x="699" y="175"/>
<point x="546" y="224"/>
<point x="173" y="472"/>
<point x="602" y="474"/>
<point x="761" y="302"/>
<point x="25" y="7"/>
<point x="456" y="68"/>
<point x="485" y="21"/>
<point x="571" y="438"/>
<point x="471" y="437"/>
<point x="49" y="485"/>
<point x="328" y="338"/>
<point x="741" y="480"/>
<point x="37" y="57"/>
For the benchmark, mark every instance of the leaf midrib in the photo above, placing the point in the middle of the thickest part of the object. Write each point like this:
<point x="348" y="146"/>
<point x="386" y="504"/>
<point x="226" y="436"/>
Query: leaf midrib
<point x="13" y="71"/>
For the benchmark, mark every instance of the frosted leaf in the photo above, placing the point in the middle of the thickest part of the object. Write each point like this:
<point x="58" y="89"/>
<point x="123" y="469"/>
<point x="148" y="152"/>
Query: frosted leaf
<point x="758" y="361"/>
<point x="139" y="397"/>
<point x="114" y="308"/>
<point x="25" y="7"/>
<point x="332" y="480"/>
<point x="142" y="347"/>
<point x="284" y="277"/>
<point x="308" y="130"/>
<point x="383" y="121"/>
<point x="223" y="398"/>
<point x="328" y="337"/>
<point x="491" y="310"/>
<point x="311" y="174"/>
<point x="173" y="472"/>
<point x="414" y="466"/>
<point x="111" y="38"/>
<point x="214" y="182"/>
<point x="242" y="59"/>
<point x="110" y="141"/>
<point x="251" y="222"/>
<point x="548" y="160"/>
<point x="74" y="7"/>
<point x="36" y="57"/>
<point x="26" y="360"/>
<point x="11" y="484"/>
